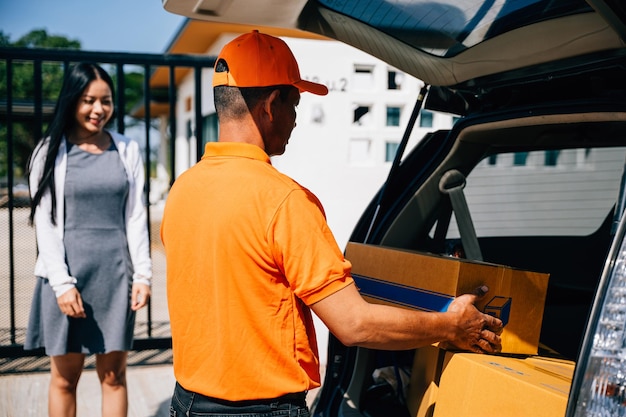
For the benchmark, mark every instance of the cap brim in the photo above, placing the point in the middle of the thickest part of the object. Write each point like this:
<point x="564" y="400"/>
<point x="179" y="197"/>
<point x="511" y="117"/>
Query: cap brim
<point x="311" y="87"/>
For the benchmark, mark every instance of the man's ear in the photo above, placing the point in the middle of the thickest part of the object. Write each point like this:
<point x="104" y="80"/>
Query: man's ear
<point x="269" y="103"/>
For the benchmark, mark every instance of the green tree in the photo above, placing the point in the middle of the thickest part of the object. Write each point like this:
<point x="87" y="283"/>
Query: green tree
<point x="39" y="38"/>
<point x="23" y="91"/>
<point x="133" y="82"/>
<point x="4" y="39"/>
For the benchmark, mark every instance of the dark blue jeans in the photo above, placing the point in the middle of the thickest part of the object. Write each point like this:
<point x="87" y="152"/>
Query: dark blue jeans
<point x="190" y="404"/>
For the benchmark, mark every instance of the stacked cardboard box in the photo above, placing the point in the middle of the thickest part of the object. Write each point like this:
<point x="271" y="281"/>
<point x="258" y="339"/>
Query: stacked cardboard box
<point x="446" y="384"/>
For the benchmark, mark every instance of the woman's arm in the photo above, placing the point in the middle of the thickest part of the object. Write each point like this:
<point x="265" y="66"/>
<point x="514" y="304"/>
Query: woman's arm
<point x="136" y="226"/>
<point x="51" y="251"/>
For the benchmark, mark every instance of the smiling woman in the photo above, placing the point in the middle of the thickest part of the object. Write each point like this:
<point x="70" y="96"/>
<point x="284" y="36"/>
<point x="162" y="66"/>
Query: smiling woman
<point x="93" y="267"/>
<point x="93" y="112"/>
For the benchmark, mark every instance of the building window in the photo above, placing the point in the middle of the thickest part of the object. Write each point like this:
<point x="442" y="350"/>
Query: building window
<point x="393" y="116"/>
<point x="391" y="148"/>
<point x="363" y="77"/>
<point x="361" y="115"/>
<point x="551" y="158"/>
<point x="519" y="158"/>
<point x="394" y="80"/>
<point x="426" y="119"/>
<point x="317" y="114"/>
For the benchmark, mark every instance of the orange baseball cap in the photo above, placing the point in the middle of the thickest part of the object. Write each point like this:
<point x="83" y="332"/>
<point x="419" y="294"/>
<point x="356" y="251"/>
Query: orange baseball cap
<point x="259" y="60"/>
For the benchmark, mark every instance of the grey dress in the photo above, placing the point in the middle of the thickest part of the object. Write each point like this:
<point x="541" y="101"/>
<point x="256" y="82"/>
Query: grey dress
<point x="96" y="190"/>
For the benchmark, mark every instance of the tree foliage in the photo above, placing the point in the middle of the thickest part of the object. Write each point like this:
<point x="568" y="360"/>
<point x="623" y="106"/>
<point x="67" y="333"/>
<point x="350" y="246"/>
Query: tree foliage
<point x="24" y="135"/>
<point x="39" y="38"/>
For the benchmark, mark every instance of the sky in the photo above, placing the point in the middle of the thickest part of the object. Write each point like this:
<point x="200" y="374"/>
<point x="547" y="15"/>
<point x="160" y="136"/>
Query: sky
<point x="142" y="26"/>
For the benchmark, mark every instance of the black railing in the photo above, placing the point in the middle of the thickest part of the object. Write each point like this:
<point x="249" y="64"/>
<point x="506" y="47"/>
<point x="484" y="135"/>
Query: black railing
<point x="17" y="246"/>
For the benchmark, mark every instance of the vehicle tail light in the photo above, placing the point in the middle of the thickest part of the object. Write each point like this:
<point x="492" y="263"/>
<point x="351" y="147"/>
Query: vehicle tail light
<point x="599" y="384"/>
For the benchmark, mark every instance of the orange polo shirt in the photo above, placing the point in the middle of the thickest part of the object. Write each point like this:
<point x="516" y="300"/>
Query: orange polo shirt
<point x="247" y="250"/>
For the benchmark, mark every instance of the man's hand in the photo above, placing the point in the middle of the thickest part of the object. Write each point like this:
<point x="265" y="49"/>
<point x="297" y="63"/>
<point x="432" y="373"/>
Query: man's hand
<point x="71" y="304"/>
<point x="475" y="331"/>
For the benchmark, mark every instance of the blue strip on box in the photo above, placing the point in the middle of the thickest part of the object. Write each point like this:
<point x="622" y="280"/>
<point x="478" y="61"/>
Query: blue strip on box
<point x="402" y="294"/>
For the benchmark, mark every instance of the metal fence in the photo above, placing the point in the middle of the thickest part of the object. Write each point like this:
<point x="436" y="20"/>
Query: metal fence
<point x="22" y="123"/>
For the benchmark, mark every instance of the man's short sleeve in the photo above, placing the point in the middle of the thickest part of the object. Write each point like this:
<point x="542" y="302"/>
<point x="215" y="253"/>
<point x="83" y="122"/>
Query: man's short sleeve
<point x="305" y="248"/>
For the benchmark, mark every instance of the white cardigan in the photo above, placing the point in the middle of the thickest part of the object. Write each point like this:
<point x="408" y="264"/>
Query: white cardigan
<point x="51" y="257"/>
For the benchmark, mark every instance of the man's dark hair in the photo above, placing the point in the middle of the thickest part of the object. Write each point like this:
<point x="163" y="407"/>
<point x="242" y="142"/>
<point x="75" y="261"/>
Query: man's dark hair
<point x="235" y="102"/>
<point x="228" y="100"/>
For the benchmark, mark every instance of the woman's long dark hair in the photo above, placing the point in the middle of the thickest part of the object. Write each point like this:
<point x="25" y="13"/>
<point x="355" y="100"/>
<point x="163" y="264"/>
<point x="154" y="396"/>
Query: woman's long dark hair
<point x="76" y="80"/>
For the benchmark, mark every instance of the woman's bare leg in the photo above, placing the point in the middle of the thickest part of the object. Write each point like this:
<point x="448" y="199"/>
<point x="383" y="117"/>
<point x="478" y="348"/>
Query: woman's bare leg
<point x="111" y="368"/>
<point x="65" y="371"/>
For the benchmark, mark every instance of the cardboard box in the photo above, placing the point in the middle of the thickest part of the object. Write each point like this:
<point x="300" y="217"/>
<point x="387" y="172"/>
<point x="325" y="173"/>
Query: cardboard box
<point x="446" y="384"/>
<point x="424" y="384"/>
<point x="430" y="282"/>
<point x="474" y="385"/>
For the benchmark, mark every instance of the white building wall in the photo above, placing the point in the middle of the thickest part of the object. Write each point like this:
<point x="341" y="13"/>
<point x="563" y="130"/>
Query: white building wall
<point x="184" y="144"/>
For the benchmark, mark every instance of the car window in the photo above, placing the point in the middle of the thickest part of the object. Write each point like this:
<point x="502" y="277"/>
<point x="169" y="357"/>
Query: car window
<point x="543" y="193"/>
<point x="448" y="27"/>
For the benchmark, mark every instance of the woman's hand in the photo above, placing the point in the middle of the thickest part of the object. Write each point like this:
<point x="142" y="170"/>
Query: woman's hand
<point x="71" y="304"/>
<point x="140" y="296"/>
